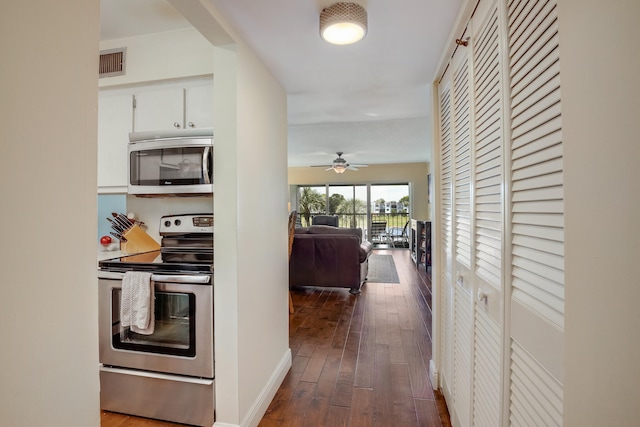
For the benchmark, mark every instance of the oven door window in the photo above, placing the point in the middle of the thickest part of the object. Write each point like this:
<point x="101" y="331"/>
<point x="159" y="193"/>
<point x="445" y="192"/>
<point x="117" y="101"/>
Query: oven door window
<point x="175" y="326"/>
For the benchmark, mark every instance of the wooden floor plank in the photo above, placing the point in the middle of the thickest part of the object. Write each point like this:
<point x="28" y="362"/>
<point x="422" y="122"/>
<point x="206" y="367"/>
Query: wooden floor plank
<point x="357" y="360"/>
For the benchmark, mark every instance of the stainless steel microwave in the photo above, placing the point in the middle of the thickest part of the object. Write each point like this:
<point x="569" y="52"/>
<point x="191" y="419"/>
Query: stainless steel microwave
<point x="172" y="162"/>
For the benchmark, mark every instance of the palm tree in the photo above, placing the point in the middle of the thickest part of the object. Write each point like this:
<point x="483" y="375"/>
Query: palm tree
<point x="350" y="208"/>
<point x="310" y="202"/>
<point x="405" y="203"/>
<point x="334" y="202"/>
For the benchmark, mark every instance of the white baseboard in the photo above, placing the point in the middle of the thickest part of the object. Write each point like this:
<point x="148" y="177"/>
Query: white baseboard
<point x="433" y="375"/>
<point x="262" y="402"/>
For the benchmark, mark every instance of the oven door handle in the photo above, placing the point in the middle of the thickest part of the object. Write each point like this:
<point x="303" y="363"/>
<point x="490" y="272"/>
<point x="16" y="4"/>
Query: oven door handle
<point x="164" y="278"/>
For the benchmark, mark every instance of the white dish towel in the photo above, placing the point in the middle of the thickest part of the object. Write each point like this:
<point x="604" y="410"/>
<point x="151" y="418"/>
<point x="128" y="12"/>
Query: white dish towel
<point x="137" y="302"/>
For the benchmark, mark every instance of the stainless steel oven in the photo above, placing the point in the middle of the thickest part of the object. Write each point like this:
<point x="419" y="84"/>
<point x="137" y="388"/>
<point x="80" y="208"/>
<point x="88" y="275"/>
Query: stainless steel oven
<point x="182" y="342"/>
<point x="168" y="374"/>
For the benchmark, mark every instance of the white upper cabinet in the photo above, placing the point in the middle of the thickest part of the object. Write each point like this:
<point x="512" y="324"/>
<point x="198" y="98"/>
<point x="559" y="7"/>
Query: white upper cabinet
<point x="115" y="121"/>
<point x="159" y="108"/>
<point x="199" y="105"/>
<point x="174" y="106"/>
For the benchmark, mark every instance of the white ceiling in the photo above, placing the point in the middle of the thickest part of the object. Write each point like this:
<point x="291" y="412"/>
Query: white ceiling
<point x="371" y="100"/>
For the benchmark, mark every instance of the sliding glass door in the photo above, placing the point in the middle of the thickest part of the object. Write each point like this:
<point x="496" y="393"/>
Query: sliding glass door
<point x="349" y="202"/>
<point x="390" y="210"/>
<point x="384" y="208"/>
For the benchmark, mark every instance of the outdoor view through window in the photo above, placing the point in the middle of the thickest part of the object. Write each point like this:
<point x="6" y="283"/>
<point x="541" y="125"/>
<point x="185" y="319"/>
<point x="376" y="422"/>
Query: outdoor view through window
<point x="382" y="211"/>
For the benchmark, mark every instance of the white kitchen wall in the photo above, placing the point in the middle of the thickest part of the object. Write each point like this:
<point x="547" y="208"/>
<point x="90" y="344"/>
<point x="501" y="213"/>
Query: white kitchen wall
<point x="162" y="56"/>
<point x="48" y="146"/>
<point x="150" y="210"/>
<point x="108" y="203"/>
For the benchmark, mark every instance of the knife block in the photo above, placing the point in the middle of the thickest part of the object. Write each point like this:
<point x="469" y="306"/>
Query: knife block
<point x="137" y="241"/>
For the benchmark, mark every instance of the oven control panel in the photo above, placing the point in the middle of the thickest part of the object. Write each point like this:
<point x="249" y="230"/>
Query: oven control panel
<point x="186" y="223"/>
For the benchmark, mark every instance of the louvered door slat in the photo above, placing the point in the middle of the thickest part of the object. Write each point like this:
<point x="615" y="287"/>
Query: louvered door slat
<point x="539" y="194"/>
<point x="488" y="154"/>
<point x="537" y="219"/>
<point x="539" y="117"/>
<point x="541" y="232"/>
<point x="462" y="348"/>
<point x="490" y="168"/>
<point x="446" y="201"/>
<point x="540" y="257"/>
<point x="537" y="213"/>
<point x="537" y="396"/>
<point x="488" y="162"/>
<point x="528" y="39"/>
<point x="548" y="167"/>
<point x="490" y="184"/>
<point x="487" y="371"/>
<point x="556" y="248"/>
<point x="445" y="160"/>
<point x="487" y="94"/>
<point x="536" y="86"/>
<point x="542" y="276"/>
<point x="538" y="142"/>
<point x="462" y="162"/>
<point x="549" y="180"/>
<point x="490" y="232"/>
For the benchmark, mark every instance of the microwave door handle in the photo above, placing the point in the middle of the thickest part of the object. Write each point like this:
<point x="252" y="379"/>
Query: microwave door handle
<point x="205" y="165"/>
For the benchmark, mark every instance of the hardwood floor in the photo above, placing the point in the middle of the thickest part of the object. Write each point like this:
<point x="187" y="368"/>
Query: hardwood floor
<point x="357" y="360"/>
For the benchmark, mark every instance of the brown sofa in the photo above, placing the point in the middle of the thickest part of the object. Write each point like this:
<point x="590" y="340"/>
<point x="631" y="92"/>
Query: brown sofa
<point x="329" y="256"/>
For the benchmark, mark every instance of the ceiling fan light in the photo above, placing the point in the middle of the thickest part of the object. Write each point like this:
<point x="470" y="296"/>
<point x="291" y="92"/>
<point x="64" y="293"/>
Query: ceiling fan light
<point x="339" y="168"/>
<point x="343" y="23"/>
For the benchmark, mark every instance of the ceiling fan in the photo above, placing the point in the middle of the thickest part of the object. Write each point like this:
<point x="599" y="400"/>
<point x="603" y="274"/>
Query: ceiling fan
<point x="340" y="165"/>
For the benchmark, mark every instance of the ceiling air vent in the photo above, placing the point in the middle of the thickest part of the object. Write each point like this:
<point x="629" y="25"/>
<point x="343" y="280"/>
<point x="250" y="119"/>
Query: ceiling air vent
<point x="112" y="62"/>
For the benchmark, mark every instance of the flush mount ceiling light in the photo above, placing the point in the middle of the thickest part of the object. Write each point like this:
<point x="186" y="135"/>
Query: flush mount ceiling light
<point x="343" y="23"/>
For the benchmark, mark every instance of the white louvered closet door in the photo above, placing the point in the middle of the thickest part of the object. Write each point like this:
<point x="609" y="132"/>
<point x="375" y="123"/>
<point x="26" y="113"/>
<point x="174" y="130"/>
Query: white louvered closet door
<point x="488" y="159"/>
<point x="537" y="200"/>
<point x="502" y="219"/>
<point x="463" y="299"/>
<point x="446" y="237"/>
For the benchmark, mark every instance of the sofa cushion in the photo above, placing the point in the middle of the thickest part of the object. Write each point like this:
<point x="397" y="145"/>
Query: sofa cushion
<point x="327" y="229"/>
<point x="325" y="220"/>
<point x="365" y="250"/>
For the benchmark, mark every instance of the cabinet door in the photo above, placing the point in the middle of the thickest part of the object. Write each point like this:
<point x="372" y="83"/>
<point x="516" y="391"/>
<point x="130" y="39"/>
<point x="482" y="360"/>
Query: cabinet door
<point x="115" y="119"/>
<point x="159" y="107"/>
<point x="199" y="105"/>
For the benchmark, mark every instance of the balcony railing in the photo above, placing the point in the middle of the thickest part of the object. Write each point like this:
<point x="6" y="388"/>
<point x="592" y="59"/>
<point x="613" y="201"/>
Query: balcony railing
<point x="395" y="225"/>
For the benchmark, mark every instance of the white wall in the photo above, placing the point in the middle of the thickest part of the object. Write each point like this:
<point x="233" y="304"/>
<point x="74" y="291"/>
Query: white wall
<point x="162" y="56"/>
<point x="48" y="145"/>
<point x="413" y="173"/>
<point x="262" y="195"/>
<point x="252" y="341"/>
<point x="251" y="193"/>
<point x="600" y="93"/>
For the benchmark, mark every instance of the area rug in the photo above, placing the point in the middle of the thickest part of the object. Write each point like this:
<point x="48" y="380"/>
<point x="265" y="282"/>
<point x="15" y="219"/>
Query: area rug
<point x="382" y="269"/>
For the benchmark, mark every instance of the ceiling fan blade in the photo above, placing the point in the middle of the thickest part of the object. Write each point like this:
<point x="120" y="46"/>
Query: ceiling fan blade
<point x="352" y="167"/>
<point x="321" y="166"/>
<point x="360" y="166"/>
